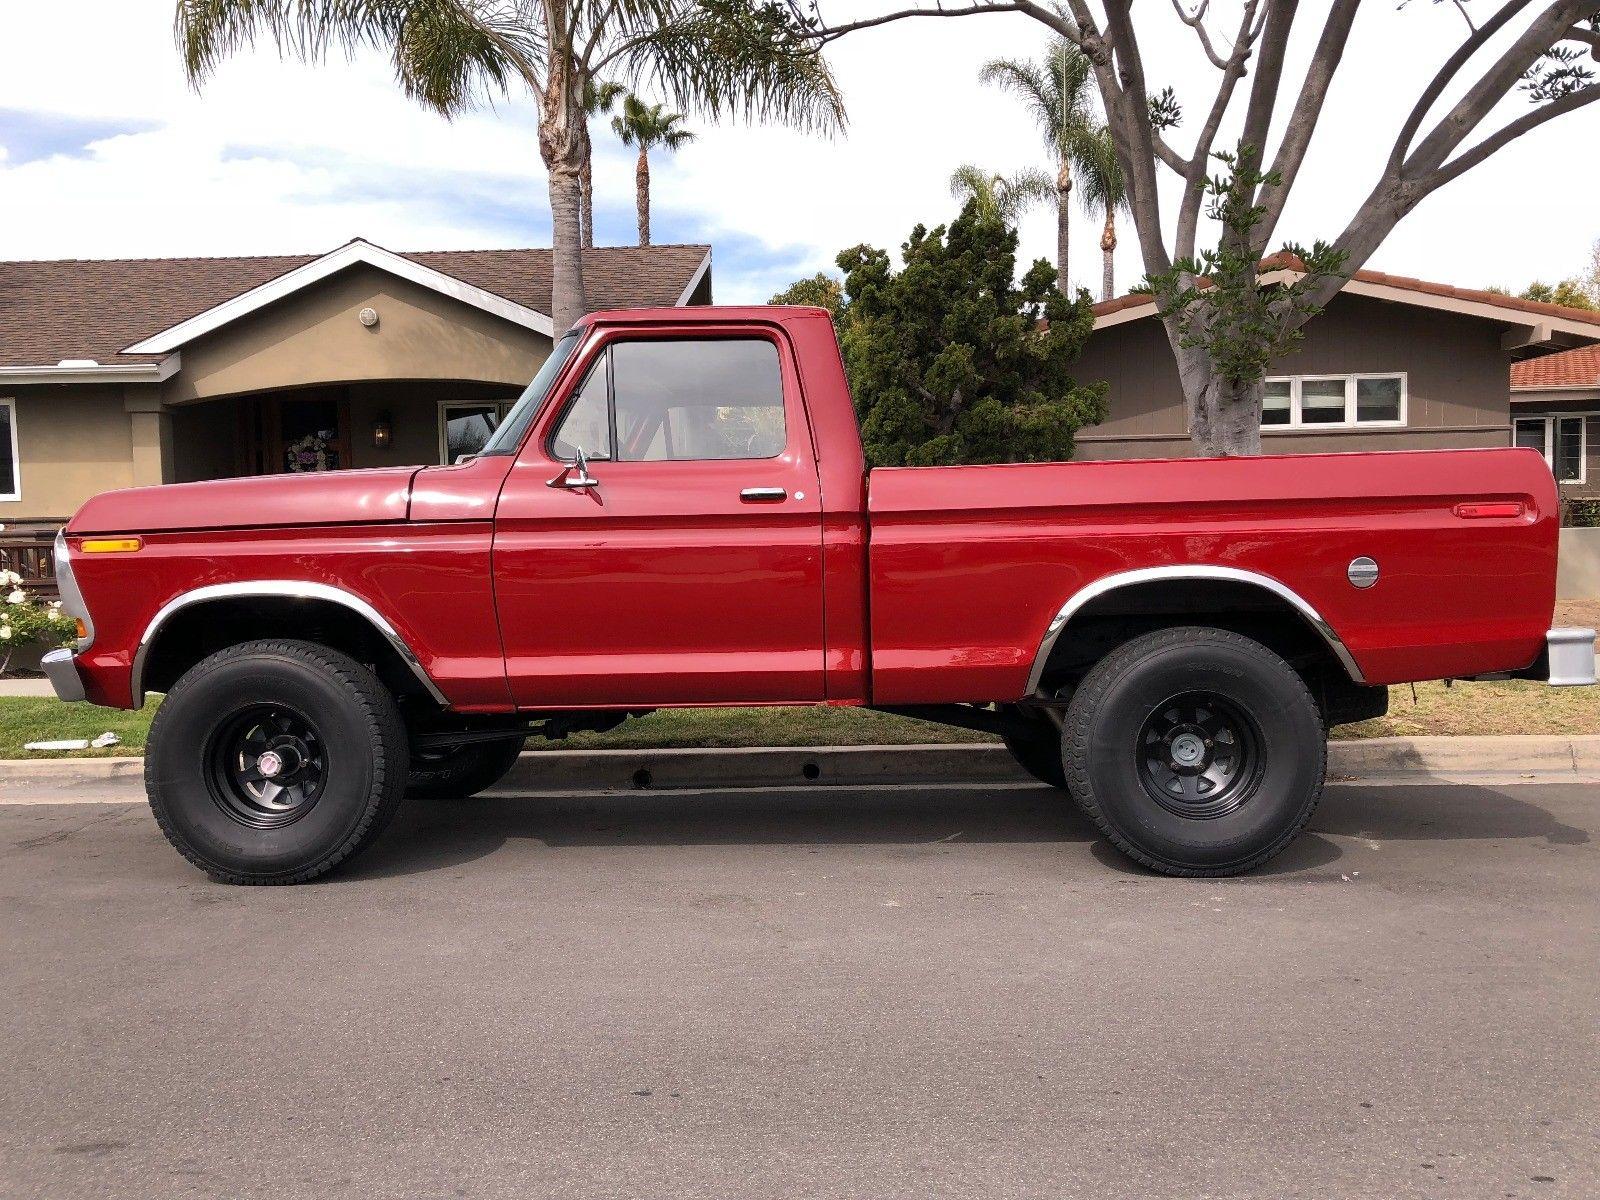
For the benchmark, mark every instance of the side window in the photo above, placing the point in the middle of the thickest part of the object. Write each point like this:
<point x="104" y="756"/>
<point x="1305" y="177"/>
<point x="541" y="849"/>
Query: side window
<point x="587" y="425"/>
<point x="710" y="399"/>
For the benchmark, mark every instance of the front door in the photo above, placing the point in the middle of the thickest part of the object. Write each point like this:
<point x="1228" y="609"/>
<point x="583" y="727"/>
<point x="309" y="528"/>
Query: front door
<point x="297" y="432"/>
<point x="690" y="570"/>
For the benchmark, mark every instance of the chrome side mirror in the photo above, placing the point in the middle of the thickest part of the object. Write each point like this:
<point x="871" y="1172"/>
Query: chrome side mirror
<point x="582" y="479"/>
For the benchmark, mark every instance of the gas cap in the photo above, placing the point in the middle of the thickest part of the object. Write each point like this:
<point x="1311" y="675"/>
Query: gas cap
<point x="1363" y="572"/>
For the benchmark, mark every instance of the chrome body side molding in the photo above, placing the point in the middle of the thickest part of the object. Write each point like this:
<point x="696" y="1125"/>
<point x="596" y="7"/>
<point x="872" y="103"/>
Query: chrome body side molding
<point x="1122" y="579"/>
<point x="293" y="589"/>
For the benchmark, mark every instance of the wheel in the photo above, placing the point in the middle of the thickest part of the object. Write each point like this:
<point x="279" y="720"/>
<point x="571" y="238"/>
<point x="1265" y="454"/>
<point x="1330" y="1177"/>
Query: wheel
<point x="275" y="761"/>
<point x="1195" y="751"/>
<point x="461" y="771"/>
<point x="1036" y="745"/>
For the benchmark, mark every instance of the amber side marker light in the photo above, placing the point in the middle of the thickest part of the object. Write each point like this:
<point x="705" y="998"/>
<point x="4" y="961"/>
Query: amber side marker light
<point x="110" y="545"/>
<point x="83" y="630"/>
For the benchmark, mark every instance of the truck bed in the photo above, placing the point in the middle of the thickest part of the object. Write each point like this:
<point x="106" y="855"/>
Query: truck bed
<point x="970" y="565"/>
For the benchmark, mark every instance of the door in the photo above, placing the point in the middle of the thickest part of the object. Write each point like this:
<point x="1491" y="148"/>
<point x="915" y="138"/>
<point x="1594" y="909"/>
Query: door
<point x="681" y="563"/>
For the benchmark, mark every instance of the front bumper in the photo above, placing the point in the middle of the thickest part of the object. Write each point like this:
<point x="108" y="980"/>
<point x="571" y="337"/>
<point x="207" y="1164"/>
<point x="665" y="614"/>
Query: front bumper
<point x="62" y="672"/>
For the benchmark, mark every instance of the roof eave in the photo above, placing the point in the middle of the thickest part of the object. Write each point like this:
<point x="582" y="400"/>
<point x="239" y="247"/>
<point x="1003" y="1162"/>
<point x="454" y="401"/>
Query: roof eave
<point x="64" y="372"/>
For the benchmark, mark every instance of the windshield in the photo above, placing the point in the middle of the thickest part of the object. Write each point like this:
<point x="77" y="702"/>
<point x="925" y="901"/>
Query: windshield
<point x="508" y="437"/>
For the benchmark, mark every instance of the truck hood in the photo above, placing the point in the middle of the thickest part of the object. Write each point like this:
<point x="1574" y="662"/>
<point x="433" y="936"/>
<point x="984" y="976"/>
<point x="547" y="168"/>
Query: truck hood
<point x="264" y="501"/>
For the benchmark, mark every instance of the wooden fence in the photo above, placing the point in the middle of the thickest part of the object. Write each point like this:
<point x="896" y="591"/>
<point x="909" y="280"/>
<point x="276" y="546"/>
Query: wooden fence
<point x="29" y="552"/>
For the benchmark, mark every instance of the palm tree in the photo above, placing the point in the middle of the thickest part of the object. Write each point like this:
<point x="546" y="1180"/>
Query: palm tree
<point x="1059" y="92"/>
<point x="647" y="126"/>
<point x="598" y="99"/>
<point x="1104" y="191"/>
<point x="1003" y="198"/>
<point x="724" y="59"/>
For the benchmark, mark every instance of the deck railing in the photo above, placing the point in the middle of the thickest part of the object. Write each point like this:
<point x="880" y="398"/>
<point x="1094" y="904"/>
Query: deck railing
<point x="29" y="552"/>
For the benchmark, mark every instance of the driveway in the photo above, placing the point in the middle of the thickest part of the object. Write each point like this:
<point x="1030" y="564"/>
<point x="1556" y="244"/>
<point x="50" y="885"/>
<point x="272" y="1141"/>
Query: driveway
<point x="895" y="991"/>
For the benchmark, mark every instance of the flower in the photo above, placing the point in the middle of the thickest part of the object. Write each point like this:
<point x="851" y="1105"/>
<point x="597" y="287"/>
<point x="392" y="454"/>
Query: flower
<point x="9" y="578"/>
<point x="5" y="633"/>
<point x="17" y="597"/>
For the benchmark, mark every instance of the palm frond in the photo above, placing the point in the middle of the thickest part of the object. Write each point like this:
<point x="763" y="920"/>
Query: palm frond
<point x="448" y="54"/>
<point x="724" y="58"/>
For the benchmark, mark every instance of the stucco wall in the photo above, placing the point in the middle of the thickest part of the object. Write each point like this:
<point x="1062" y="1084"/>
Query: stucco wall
<point x="1458" y="380"/>
<point x="72" y="442"/>
<point x="315" y="337"/>
<point x="1579" y="575"/>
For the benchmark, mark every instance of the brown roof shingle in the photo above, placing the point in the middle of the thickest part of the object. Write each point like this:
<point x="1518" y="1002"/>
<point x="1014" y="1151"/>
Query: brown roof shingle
<point x="77" y="308"/>
<point x="1570" y="368"/>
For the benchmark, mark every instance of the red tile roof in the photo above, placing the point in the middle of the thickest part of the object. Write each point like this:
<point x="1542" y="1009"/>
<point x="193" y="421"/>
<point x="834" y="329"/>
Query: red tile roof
<point x="73" y="308"/>
<point x="1570" y="368"/>
<point x="1402" y="283"/>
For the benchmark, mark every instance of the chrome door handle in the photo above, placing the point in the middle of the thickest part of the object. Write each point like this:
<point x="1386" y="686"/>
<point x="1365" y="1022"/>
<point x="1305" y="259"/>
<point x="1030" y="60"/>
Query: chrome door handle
<point x="764" y="493"/>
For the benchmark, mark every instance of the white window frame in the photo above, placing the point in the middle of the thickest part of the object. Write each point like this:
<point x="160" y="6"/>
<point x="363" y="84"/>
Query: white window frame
<point x="9" y="404"/>
<point x="1296" y="424"/>
<point x="501" y="406"/>
<point x="1548" y="420"/>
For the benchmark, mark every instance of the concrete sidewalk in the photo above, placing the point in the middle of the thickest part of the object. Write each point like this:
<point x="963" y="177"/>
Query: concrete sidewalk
<point x="26" y="687"/>
<point x="1481" y="760"/>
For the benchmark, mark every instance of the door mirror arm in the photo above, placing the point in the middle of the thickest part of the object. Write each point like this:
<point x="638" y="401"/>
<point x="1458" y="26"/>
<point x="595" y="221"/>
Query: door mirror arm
<point x="566" y="478"/>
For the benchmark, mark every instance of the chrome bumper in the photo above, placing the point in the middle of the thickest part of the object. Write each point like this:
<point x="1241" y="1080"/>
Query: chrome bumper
<point x="63" y="675"/>
<point x="1570" y="654"/>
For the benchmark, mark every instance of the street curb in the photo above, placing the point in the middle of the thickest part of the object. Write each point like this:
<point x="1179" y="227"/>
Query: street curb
<point x="1484" y="760"/>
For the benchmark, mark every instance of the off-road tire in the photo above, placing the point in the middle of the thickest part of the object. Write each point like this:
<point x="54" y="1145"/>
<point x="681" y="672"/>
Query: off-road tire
<point x="1036" y="745"/>
<point x="364" y="752"/>
<point x="1105" y="749"/>
<point x="461" y="772"/>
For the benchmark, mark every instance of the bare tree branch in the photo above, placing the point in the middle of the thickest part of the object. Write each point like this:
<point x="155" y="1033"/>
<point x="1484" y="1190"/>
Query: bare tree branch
<point x="1441" y="80"/>
<point x="1200" y="160"/>
<point x="1303" y="117"/>
<point x="1197" y="22"/>
<point x="1507" y="134"/>
<point x="1496" y="82"/>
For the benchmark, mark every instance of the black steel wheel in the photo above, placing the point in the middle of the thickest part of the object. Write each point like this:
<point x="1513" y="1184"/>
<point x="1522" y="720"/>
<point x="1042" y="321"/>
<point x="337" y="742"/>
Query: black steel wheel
<point x="1201" y="755"/>
<point x="268" y="765"/>
<point x="1196" y="751"/>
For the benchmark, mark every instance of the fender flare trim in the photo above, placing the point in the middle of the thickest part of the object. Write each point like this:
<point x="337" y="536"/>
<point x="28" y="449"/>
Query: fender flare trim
<point x="1122" y="579"/>
<point x="292" y="589"/>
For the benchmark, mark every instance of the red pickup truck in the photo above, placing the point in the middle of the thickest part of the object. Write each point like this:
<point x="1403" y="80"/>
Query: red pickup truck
<point x="677" y="512"/>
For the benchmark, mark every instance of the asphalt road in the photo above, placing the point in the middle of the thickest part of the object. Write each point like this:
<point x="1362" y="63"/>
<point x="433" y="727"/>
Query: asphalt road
<point x="869" y="994"/>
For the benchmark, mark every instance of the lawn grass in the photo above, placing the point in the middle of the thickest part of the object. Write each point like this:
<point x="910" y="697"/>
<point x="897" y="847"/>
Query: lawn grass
<point x="1466" y="708"/>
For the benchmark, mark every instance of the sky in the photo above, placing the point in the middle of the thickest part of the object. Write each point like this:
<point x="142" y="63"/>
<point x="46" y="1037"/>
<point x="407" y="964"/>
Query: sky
<point x="106" y="152"/>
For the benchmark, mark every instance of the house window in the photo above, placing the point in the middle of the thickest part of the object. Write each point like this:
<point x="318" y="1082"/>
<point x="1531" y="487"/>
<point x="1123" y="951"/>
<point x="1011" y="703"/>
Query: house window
<point x="1333" y="401"/>
<point x="10" y="461"/>
<point x="1562" y="440"/>
<point x="465" y="426"/>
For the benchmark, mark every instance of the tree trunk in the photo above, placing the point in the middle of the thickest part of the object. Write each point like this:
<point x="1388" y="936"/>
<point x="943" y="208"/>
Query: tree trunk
<point x="1224" y="417"/>
<point x="564" y="145"/>
<point x="1108" y="254"/>
<point x="1063" y="225"/>
<point x="641" y="195"/>
<point x="566" y="268"/>
<point x="586" y="200"/>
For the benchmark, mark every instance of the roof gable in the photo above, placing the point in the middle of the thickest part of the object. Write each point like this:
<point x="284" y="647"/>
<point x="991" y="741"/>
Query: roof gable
<point x="96" y="310"/>
<point x="318" y="269"/>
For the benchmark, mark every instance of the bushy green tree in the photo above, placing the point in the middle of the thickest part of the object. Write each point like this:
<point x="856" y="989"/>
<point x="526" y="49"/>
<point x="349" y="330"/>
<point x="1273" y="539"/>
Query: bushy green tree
<point x="951" y="360"/>
<point x="820" y="291"/>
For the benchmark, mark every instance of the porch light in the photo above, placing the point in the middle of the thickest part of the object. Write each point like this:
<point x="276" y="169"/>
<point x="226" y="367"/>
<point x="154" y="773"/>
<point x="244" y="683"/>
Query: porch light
<point x="382" y="431"/>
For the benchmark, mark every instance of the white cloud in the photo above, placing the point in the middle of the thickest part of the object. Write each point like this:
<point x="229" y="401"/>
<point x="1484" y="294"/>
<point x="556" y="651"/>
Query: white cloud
<point x="276" y="157"/>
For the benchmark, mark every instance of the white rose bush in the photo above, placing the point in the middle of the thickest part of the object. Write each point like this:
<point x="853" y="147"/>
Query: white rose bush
<point x="25" y="621"/>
